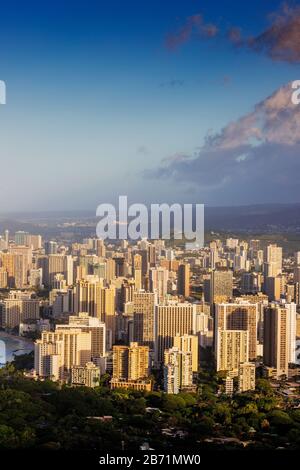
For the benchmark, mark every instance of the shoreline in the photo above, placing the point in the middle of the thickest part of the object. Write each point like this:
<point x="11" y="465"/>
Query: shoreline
<point x="4" y="334"/>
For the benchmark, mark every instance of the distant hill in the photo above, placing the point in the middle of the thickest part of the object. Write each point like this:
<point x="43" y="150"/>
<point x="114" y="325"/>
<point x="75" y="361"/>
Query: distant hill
<point x="264" y="218"/>
<point x="261" y="218"/>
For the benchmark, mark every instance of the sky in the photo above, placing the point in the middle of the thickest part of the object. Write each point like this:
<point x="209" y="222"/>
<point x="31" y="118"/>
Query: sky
<point x="174" y="101"/>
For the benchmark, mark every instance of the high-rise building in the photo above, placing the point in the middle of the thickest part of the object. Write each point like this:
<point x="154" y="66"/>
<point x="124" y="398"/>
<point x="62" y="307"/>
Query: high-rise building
<point x="221" y="285"/>
<point x="232" y="243"/>
<point x="246" y="377"/>
<point x="138" y="361"/>
<point x="72" y="347"/>
<point x="110" y="269"/>
<point x="158" y="278"/>
<point x="188" y="344"/>
<point x="272" y="287"/>
<point x="60" y="264"/>
<point x="144" y="317"/>
<point x="130" y="362"/>
<point x="251" y="283"/>
<point x="100" y="248"/>
<point x="88" y="375"/>
<point x="6" y="238"/>
<point x="48" y="359"/>
<point x="232" y="349"/>
<point x="171" y="371"/>
<point x="213" y="258"/>
<point x="204" y="329"/>
<point x="16" y="310"/>
<point x="254" y="245"/>
<point x="137" y="271"/>
<point x="178" y="370"/>
<point x="35" y="278"/>
<point x="3" y="278"/>
<point x="50" y="247"/>
<point x="228" y="386"/>
<point x="35" y="242"/>
<point x="144" y="253"/>
<point x="109" y="313"/>
<point x="183" y="282"/>
<point x="277" y="339"/>
<point x="273" y="256"/>
<point x="21" y="238"/>
<point x="89" y="297"/>
<point x="17" y="262"/>
<point x="120" y="266"/>
<point x="126" y="293"/>
<point x="171" y="320"/>
<point x="120" y="362"/>
<point x="91" y="325"/>
<point x="238" y="316"/>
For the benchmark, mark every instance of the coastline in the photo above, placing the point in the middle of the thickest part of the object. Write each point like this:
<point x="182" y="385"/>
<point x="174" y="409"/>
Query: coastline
<point x="4" y="334"/>
<point x="14" y="345"/>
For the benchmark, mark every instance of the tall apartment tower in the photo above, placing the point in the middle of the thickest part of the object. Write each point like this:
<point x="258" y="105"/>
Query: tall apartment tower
<point x="91" y="325"/>
<point x="183" y="282"/>
<point x="120" y="362"/>
<point x="158" y="278"/>
<point x="6" y="238"/>
<point x="232" y="349"/>
<point x="246" y="377"/>
<point x="171" y="320"/>
<point x="21" y="238"/>
<point x="137" y="271"/>
<point x="276" y="339"/>
<point x="110" y="269"/>
<point x="60" y="264"/>
<point x="178" y="370"/>
<point x="143" y="318"/>
<point x="138" y="361"/>
<point x="272" y="287"/>
<point x="130" y="362"/>
<point x="241" y="316"/>
<point x="108" y="310"/>
<point x="100" y="248"/>
<point x="188" y="344"/>
<point x="14" y="311"/>
<point x="50" y="247"/>
<point x="73" y="348"/>
<point x="273" y="256"/>
<point x="48" y="359"/>
<point x="88" y="298"/>
<point x="221" y="285"/>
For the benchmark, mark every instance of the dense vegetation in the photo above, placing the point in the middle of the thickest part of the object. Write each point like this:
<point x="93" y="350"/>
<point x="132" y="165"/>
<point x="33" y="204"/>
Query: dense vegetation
<point x="42" y="415"/>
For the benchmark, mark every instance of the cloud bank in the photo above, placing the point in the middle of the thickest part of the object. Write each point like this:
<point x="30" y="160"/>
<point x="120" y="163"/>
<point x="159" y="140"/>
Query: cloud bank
<point x="280" y="41"/>
<point x="256" y="156"/>
<point x="193" y="26"/>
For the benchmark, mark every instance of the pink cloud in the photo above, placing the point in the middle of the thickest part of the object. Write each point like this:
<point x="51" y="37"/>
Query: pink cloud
<point x="193" y="26"/>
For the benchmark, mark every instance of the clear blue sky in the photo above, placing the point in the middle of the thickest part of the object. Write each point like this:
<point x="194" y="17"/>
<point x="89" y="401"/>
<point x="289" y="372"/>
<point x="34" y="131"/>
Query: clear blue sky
<point x="95" y="97"/>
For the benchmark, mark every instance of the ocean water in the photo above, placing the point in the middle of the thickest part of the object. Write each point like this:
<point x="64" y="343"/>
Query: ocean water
<point x="298" y="351"/>
<point x="10" y="345"/>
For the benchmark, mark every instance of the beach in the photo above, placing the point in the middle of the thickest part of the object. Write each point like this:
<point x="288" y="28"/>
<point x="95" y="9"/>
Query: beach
<point x="12" y="344"/>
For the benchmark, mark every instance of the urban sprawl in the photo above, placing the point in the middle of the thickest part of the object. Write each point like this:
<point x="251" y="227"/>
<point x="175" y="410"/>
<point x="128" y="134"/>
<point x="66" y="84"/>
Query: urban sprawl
<point x="145" y="313"/>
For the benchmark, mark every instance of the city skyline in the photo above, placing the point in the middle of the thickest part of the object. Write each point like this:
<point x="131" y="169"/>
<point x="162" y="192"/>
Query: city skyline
<point x="177" y="348"/>
<point x="150" y="232"/>
<point x="181" y="102"/>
